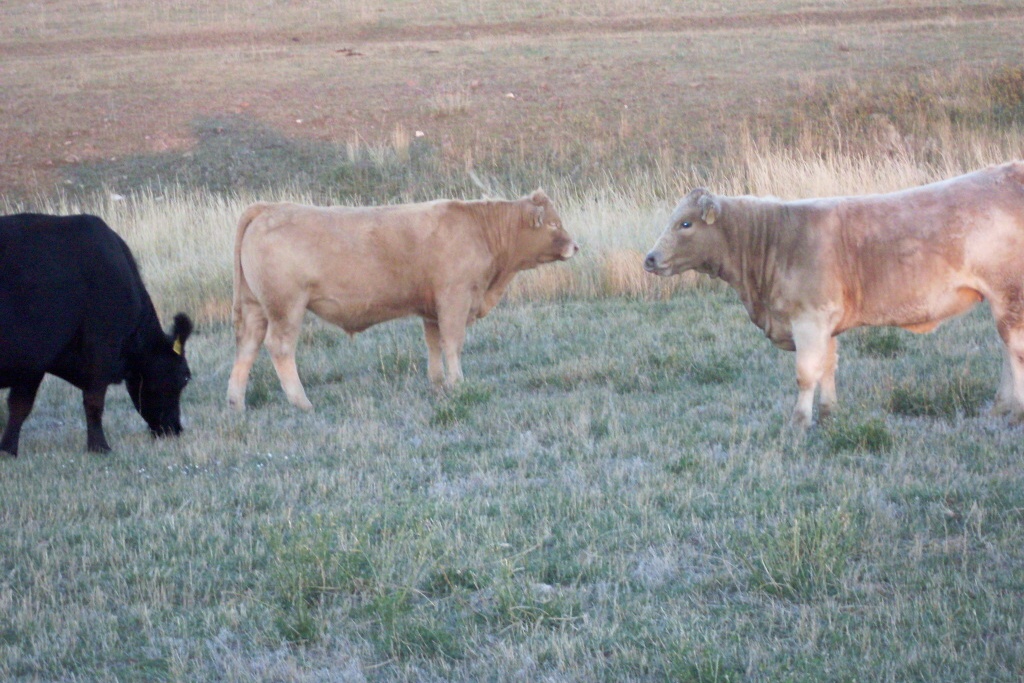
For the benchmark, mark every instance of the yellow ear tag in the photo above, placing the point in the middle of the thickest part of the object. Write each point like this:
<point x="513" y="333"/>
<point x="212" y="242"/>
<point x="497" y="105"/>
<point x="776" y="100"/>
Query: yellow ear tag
<point x="177" y="346"/>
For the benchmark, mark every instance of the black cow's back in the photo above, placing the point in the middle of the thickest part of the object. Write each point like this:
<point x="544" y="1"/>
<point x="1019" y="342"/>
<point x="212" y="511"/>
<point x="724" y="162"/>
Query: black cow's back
<point x="70" y="293"/>
<point x="72" y="304"/>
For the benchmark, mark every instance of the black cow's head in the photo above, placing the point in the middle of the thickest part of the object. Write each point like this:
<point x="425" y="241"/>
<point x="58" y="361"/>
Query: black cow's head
<point x="156" y="385"/>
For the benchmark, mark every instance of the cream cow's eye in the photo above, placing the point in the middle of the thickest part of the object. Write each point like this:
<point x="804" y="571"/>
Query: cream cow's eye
<point x="686" y="224"/>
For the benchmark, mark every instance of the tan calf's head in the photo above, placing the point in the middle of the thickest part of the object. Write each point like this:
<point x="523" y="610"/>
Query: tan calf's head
<point x="691" y="240"/>
<point x="543" y="239"/>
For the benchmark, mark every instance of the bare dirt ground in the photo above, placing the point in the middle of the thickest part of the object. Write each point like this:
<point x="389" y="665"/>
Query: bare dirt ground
<point x="656" y="83"/>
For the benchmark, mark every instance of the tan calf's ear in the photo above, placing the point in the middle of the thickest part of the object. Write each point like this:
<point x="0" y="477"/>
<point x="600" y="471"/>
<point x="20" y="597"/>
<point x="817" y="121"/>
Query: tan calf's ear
<point x="708" y="208"/>
<point x="538" y="216"/>
<point x="540" y="200"/>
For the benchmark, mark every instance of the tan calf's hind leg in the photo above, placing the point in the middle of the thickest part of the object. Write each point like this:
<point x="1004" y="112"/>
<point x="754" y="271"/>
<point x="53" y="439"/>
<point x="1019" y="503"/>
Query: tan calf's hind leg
<point x="251" y="329"/>
<point x="282" y="336"/>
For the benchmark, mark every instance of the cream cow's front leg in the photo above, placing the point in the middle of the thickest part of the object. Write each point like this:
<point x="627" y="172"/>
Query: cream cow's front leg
<point x="828" y="397"/>
<point x="815" y="349"/>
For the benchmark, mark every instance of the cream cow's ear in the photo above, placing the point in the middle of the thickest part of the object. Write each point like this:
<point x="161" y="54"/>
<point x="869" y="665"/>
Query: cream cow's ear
<point x="709" y="208"/>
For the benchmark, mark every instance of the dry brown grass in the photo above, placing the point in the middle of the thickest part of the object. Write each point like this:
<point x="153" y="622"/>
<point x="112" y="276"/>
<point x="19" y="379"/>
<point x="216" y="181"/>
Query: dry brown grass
<point x="183" y="239"/>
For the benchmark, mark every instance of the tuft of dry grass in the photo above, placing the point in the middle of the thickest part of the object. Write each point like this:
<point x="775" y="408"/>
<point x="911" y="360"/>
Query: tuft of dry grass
<point x="451" y="101"/>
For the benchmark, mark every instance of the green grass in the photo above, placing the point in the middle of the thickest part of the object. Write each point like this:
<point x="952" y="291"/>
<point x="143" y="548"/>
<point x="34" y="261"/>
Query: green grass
<point x="846" y="434"/>
<point x="638" y="520"/>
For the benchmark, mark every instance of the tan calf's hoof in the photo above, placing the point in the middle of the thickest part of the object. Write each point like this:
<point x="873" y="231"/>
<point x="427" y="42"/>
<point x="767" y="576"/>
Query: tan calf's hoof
<point x="800" y="421"/>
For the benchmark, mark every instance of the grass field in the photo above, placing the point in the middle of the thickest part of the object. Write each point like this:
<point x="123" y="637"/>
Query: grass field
<point x="594" y="504"/>
<point x="612" y="495"/>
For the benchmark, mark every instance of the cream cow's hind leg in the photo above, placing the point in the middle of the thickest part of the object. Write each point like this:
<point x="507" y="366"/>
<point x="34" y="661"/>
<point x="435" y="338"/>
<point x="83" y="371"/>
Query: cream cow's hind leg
<point x="1010" y="397"/>
<point x="1009" y="315"/>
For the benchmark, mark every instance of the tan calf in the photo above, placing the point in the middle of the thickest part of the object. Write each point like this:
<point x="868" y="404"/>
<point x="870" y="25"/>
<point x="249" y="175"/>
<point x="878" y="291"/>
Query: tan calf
<point x="448" y="262"/>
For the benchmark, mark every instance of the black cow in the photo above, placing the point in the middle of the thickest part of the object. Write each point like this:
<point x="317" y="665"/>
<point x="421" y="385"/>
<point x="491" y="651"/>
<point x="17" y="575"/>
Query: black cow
<point x="72" y="304"/>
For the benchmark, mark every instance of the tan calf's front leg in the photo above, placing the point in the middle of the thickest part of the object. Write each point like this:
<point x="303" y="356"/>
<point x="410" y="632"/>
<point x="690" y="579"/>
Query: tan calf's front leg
<point x="814" y="346"/>
<point x="452" y="321"/>
<point x="432" y="335"/>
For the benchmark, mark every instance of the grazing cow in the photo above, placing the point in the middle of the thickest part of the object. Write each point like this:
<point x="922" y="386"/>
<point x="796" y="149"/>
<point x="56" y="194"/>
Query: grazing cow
<point x="448" y="262"/>
<point x="72" y="304"/>
<point x="808" y="270"/>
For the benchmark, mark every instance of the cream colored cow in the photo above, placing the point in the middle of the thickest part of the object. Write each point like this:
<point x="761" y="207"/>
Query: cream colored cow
<point x="808" y="270"/>
<point x="448" y="262"/>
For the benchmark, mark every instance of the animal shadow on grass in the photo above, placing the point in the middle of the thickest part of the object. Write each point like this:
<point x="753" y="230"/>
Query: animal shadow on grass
<point x="456" y="406"/>
<point x="964" y="395"/>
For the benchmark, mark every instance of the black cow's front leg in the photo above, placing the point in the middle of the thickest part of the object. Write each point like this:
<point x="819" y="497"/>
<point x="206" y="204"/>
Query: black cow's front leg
<point x="19" y="405"/>
<point x="94" y="400"/>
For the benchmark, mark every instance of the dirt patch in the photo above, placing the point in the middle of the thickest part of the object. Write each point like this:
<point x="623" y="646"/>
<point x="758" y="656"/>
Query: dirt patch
<point x="542" y="26"/>
<point x="549" y="92"/>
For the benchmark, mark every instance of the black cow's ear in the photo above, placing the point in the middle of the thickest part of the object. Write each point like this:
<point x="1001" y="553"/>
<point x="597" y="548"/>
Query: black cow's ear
<point x="180" y="333"/>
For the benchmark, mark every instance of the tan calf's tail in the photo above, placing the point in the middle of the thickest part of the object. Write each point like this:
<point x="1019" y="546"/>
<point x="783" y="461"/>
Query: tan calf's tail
<point x="241" y="285"/>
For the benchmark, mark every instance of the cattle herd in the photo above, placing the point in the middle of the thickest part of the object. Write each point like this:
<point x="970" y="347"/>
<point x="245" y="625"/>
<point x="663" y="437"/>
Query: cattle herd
<point x="72" y="302"/>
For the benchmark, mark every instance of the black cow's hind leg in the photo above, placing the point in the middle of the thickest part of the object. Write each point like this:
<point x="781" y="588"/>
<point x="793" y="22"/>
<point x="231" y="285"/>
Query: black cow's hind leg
<point x="19" y="405"/>
<point x="94" y="400"/>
